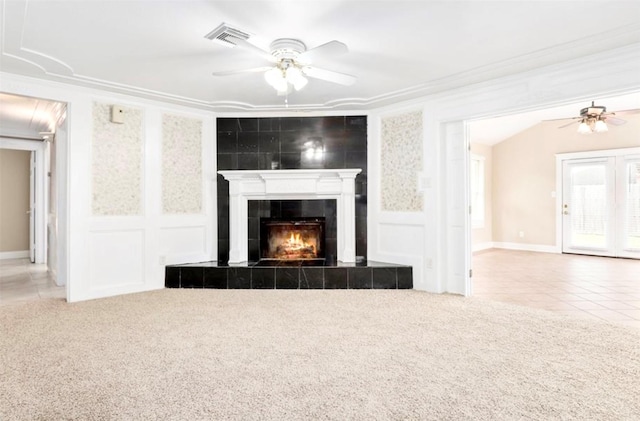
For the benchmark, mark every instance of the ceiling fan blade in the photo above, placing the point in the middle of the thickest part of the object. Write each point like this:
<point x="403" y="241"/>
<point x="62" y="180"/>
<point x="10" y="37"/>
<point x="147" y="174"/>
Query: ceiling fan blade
<point x="561" y="119"/>
<point x="330" y="49"/>
<point x="329" y="76"/>
<point x="631" y="111"/>
<point x="250" y="47"/>
<point x="568" y="124"/>
<point x="239" y="71"/>
<point x="614" y="121"/>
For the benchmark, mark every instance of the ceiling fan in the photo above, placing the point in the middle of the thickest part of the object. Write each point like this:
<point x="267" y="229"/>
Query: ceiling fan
<point x="291" y="62"/>
<point x="595" y="118"/>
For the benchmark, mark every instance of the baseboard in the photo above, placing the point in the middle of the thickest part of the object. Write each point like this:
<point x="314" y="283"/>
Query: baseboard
<point x="527" y="247"/>
<point x="14" y="254"/>
<point x="482" y="246"/>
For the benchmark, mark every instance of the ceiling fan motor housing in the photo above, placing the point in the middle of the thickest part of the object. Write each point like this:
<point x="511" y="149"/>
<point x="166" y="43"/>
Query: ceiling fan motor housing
<point x="287" y="48"/>
<point x="593" y="110"/>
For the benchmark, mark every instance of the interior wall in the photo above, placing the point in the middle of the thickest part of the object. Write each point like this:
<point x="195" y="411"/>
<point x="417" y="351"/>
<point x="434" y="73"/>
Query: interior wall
<point x="14" y="200"/>
<point x="524" y="177"/>
<point x="482" y="237"/>
<point x="396" y="205"/>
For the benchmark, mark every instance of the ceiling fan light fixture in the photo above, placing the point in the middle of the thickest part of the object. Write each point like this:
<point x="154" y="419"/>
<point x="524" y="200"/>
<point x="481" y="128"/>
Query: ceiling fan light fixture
<point x="295" y="77"/>
<point x="584" y="128"/>
<point x="283" y="75"/>
<point x="276" y="78"/>
<point x="600" y="126"/>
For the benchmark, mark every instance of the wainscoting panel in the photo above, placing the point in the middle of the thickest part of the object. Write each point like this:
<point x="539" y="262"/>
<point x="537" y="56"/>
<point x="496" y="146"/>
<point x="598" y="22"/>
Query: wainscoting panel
<point x="400" y="239"/>
<point x="116" y="259"/>
<point x="117" y="155"/>
<point x="401" y="162"/>
<point x="183" y="244"/>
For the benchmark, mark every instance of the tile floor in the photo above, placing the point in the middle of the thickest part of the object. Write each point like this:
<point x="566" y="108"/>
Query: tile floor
<point x="585" y="286"/>
<point x="20" y="280"/>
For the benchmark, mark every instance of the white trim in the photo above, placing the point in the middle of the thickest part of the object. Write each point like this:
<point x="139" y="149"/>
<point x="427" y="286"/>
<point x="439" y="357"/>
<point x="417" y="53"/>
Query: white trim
<point x="22" y="254"/>
<point x="542" y="248"/>
<point x="601" y="153"/>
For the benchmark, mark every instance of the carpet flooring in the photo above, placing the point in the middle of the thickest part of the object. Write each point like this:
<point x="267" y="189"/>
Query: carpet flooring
<point x="179" y="354"/>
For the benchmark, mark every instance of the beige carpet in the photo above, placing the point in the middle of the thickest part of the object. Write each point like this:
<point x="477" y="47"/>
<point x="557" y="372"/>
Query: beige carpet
<point x="288" y="355"/>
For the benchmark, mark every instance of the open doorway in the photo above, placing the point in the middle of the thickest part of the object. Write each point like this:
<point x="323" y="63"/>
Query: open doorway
<point x="518" y="250"/>
<point x="16" y="191"/>
<point x="32" y="138"/>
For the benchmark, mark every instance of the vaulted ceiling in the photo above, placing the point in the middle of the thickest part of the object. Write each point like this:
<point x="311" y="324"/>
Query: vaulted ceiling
<point x="398" y="50"/>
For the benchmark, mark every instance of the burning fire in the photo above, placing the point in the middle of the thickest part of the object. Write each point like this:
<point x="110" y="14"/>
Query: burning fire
<point x="294" y="246"/>
<point x="295" y="242"/>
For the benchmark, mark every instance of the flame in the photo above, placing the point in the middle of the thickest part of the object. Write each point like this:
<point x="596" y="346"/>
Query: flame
<point x="293" y="245"/>
<point x="295" y="241"/>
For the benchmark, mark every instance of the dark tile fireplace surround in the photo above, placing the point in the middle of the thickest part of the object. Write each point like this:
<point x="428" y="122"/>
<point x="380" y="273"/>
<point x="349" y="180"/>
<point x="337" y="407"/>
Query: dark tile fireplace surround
<point x="282" y="143"/>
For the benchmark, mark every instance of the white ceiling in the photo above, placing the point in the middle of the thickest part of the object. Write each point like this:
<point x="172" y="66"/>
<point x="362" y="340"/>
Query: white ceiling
<point x="28" y="117"/>
<point x="398" y="49"/>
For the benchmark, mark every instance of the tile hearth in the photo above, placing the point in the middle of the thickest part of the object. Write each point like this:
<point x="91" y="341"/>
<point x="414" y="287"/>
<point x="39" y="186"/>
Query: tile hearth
<point x="303" y="274"/>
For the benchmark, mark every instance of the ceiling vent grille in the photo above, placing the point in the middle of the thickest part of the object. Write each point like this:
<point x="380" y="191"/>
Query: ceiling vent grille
<point x="225" y="35"/>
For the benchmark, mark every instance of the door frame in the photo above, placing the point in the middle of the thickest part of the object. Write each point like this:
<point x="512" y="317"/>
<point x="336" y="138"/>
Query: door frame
<point x="41" y="187"/>
<point x="560" y="158"/>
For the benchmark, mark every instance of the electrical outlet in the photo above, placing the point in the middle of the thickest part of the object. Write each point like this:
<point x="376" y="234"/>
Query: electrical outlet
<point x="521" y="234"/>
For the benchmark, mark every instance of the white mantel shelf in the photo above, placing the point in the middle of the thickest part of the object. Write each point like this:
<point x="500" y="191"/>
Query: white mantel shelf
<point x="304" y="184"/>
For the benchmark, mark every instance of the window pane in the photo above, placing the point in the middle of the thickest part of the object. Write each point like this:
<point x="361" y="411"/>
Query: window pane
<point x="477" y="192"/>
<point x="633" y="206"/>
<point x="588" y="206"/>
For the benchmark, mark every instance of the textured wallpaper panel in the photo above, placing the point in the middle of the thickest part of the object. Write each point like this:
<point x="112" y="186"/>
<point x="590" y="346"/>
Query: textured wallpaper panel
<point x="401" y="161"/>
<point x="117" y="162"/>
<point x="181" y="164"/>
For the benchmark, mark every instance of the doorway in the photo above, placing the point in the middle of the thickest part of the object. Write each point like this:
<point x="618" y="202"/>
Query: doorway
<point x="601" y="204"/>
<point x="38" y="126"/>
<point x="522" y="191"/>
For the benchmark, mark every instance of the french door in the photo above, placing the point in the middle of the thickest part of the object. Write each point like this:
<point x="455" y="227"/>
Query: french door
<point x="601" y="206"/>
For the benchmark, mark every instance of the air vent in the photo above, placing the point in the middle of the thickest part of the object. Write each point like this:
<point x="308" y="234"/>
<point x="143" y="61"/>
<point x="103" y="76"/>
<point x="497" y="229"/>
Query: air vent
<point x="224" y="34"/>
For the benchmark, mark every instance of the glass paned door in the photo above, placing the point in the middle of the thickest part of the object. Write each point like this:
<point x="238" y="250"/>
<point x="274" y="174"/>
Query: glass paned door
<point x="588" y="207"/>
<point x="629" y="206"/>
<point x="601" y="206"/>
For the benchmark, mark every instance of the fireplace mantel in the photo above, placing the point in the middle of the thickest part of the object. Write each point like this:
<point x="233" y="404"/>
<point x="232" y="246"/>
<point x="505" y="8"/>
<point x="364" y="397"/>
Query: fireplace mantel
<point x="305" y="184"/>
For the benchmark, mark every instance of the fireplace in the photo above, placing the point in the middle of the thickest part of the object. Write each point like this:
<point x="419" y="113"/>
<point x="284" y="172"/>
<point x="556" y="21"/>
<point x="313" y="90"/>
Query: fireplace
<point x="292" y="238"/>
<point x="305" y="184"/>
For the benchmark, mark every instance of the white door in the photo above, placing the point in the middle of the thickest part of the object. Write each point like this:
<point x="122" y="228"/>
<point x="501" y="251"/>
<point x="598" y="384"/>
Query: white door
<point x="600" y="207"/>
<point x="32" y="208"/>
<point x="458" y="253"/>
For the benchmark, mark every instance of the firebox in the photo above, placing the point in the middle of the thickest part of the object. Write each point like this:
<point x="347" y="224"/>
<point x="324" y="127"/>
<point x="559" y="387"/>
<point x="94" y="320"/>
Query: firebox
<point x="292" y="238"/>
